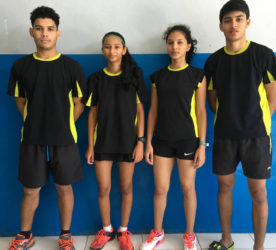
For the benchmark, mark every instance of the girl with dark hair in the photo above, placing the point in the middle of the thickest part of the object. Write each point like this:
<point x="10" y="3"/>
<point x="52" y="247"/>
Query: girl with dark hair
<point x="115" y="131"/>
<point x="177" y="119"/>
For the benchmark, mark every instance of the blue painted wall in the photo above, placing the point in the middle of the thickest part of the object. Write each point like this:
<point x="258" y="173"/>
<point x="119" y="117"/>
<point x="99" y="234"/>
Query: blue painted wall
<point x="86" y="217"/>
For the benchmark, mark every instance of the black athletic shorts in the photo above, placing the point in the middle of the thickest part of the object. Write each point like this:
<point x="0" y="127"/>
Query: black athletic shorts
<point x="183" y="149"/>
<point x="35" y="162"/>
<point x="254" y="154"/>
<point x="114" y="157"/>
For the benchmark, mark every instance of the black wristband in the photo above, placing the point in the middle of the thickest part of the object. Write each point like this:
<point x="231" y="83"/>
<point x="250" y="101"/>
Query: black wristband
<point x="142" y="139"/>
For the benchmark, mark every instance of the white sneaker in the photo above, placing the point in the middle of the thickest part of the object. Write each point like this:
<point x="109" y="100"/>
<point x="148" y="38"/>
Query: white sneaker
<point x="153" y="240"/>
<point x="189" y="241"/>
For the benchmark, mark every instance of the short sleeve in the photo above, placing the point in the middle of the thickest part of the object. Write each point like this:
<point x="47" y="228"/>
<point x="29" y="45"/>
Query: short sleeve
<point x="79" y="86"/>
<point x="142" y="94"/>
<point x="90" y="99"/>
<point x="200" y="79"/>
<point x="153" y="79"/>
<point x="209" y="75"/>
<point x="15" y="87"/>
<point x="269" y="74"/>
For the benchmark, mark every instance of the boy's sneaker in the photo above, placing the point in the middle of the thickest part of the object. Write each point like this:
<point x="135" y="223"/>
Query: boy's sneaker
<point x="124" y="240"/>
<point x="189" y="241"/>
<point x="153" y="240"/>
<point x="20" y="242"/>
<point x="66" y="242"/>
<point x="101" y="238"/>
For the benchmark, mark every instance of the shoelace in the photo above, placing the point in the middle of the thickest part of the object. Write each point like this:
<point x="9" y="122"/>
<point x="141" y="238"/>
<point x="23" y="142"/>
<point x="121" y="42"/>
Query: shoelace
<point x="15" y="242"/>
<point x="98" y="238"/>
<point x="66" y="243"/>
<point x="152" y="236"/>
<point x="125" y="234"/>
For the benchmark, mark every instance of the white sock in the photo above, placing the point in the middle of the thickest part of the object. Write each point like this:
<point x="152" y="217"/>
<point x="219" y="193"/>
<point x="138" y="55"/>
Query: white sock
<point x="122" y="229"/>
<point x="108" y="228"/>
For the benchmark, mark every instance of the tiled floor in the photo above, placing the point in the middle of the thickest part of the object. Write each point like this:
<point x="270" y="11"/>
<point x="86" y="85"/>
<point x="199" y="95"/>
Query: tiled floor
<point x="172" y="242"/>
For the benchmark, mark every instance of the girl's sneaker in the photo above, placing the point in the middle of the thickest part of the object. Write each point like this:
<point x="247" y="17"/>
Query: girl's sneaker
<point x="124" y="240"/>
<point x="189" y="241"/>
<point x="153" y="240"/>
<point x="101" y="238"/>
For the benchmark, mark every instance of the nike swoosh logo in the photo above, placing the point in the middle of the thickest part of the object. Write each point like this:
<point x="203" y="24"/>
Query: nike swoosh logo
<point x="185" y="154"/>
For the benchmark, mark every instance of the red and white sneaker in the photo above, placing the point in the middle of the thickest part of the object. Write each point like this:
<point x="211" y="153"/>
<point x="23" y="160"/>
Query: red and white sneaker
<point x="101" y="238"/>
<point x="153" y="240"/>
<point x="189" y="241"/>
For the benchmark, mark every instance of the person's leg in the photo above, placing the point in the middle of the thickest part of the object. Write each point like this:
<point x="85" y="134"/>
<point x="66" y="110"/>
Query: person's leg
<point x="187" y="174"/>
<point x="162" y="170"/>
<point x="29" y="205"/>
<point x="66" y="204"/>
<point x="103" y="175"/>
<point x="126" y="173"/>
<point x="225" y="205"/>
<point x="257" y="189"/>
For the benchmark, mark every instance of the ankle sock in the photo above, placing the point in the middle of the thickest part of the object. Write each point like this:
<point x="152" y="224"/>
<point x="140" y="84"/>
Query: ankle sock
<point x="27" y="234"/>
<point x="108" y="228"/>
<point x="64" y="231"/>
<point x="122" y="229"/>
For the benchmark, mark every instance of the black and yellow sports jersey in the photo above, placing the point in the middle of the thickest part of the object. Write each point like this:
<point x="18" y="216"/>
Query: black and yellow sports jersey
<point x="49" y="86"/>
<point x="176" y="115"/>
<point x="117" y="109"/>
<point x="242" y="109"/>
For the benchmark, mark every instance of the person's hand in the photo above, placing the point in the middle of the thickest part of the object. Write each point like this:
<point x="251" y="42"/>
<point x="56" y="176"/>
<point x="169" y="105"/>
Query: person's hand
<point x="137" y="154"/>
<point x="89" y="155"/>
<point x="199" y="156"/>
<point x="149" y="154"/>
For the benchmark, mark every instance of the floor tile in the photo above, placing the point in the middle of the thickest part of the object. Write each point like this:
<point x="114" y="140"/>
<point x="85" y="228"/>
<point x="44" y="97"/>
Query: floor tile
<point x="270" y="240"/>
<point x="4" y="242"/>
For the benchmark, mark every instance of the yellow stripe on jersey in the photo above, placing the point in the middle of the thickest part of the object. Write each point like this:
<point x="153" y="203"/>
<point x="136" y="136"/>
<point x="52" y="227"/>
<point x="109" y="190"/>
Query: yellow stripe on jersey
<point x="24" y="117"/>
<point x="199" y="84"/>
<point x="211" y="85"/>
<point x="71" y="118"/>
<point x="79" y="90"/>
<point x="88" y="103"/>
<point x="111" y="74"/>
<point x="179" y="69"/>
<point x="216" y="114"/>
<point x="95" y="134"/>
<point x="154" y="85"/>
<point x="193" y="114"/>
<point x="16" y="91"/>
<point x="270" y="76"/>
<point x="239" y="52"/>
<point x="137" y="99"/>
<point x="46" y="60"/>
<point x="265" y="108"/>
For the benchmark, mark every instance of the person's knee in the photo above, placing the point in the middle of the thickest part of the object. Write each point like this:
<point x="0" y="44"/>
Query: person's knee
<point x="188" y="190"/>
<point x="258" y="195"/>
<point x="225" y="186"/>
<point x="161" y="190"/>
<point x="126" y="188"/>
<point x="103" y="190"/>
<point x="31" y="192"/>
<point x="64" y="189"/>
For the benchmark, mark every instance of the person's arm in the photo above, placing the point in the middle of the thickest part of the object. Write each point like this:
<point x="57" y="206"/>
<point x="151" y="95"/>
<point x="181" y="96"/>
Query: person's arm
<point x="271" y="96"/>
<point x="212" y="99"/>
<point x="92" y="121"/>
<point x="78" y="107"/>
<point x="152" y="116"/>
<point x="139" y="148"/>
<point x="201" y="123"/>
<point x="20" y="104"/>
